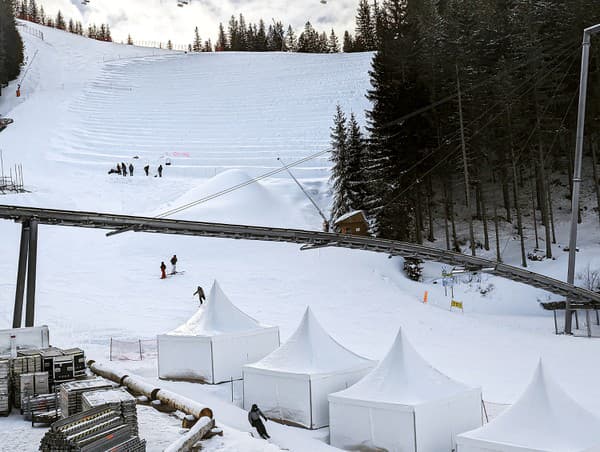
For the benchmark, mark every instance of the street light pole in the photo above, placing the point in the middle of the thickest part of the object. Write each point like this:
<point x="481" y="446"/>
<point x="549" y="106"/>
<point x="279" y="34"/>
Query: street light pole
<point x="583" y="81"/>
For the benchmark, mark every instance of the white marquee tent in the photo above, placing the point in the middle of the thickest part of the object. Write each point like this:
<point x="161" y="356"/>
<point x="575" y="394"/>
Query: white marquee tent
<point x="292" y="383"/>
<point x="544" y="419"/>
<point x="215" y="343"/>
<point x="403" y="405"/>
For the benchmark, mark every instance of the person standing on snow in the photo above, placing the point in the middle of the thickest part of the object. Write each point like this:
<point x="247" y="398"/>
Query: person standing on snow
<point x="146" y="169"/>
<point x="118" y="168"/>
<point x="124" y="168"/>
<point x="131" y="169"/>
<point x="163" y="270"/>
<point x="159" y="170"/>
<point x="174" y="264"/>
<point x="254" y="418"/>
<point x="200" y="294"/>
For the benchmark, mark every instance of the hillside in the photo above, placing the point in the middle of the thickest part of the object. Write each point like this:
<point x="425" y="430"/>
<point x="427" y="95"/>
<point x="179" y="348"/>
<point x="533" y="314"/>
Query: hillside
<point x="221" y="119"/>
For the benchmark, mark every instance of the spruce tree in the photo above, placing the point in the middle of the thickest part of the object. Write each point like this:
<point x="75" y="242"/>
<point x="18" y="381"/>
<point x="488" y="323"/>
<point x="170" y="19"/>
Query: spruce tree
<point x="291" y="42"/>
<point x="334" y="43"/>
<point x="11" y="45"/>
<point x="365" y="34"/>
<point x="129" y="40"/>
<point x="222" y="43"/>
<point x="339" y="159"/>
<point x="355" y="171"/>
<point x="348" y="45"/>
<point x="197" y="45"/>
<point x="60" y="21"/>
<point x="71" y="26"/>
<point x="33" y="12"/>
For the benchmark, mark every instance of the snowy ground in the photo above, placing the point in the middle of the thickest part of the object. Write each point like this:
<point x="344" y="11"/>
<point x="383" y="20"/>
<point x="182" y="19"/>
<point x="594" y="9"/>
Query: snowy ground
<point x="221" y="118"/>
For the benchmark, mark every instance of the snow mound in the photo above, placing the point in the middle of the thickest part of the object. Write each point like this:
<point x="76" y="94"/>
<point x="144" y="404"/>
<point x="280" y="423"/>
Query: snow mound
<point x="404" y="377"/>
<point x="311" y="350"/>
<point x="254" y="204"/>
<point x="218" y="316"/>
<point x="544" y="418"/>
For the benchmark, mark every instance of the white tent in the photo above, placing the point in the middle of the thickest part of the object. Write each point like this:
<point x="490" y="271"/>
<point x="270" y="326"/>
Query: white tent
<point x="292" y="383"/>
<point x="544" y="419"/>
<point x="403" y="405"/>
<point x="215" y="343"/>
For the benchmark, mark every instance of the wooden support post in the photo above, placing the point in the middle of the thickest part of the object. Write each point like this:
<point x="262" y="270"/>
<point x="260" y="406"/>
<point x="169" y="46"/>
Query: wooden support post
<point x="31" y="274"/>
<point x="21" y="272"/>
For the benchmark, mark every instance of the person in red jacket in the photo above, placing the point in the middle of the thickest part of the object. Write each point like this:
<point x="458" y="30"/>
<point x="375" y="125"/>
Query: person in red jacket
<point x="163" y="271"/>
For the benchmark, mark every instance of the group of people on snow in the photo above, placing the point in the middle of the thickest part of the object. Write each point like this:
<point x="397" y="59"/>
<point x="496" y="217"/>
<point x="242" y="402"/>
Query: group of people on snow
<point x="122" y="169"/>
<point x="163" y="267"/>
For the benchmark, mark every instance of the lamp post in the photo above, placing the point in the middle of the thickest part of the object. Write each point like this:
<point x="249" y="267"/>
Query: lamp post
<point x="583" y="81"/>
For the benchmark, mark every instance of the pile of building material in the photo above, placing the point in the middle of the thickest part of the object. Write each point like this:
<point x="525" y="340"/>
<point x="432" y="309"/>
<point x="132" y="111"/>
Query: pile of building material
<point x="4" y="387"/>
<point x="96" y="430"/>
<point x="70" y="400"/>
<point x="33" y="384"/>
<point x="118" y="399"/>
<point x="41" y="407"/>
<point x="19" y="366"/>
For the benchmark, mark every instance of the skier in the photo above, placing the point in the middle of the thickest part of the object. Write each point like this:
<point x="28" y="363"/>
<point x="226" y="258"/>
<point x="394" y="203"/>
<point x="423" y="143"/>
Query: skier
<point x="124" y="169"/>
<point x="254" y="418"/>
<point x="146" y="169"/>
<point x="159" y="170"/>
<point x="131" y="169"/>
<point x="118" y="168"/>
<point x="200" y="294"/>
<point x="163" y="269"/>
<point x="174" y="264"/>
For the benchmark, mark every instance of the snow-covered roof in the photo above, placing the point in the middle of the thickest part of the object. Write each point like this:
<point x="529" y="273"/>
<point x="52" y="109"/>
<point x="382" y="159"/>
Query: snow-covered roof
<point x="350" y="215"/>
<point x="217" y="316"/>
<point x="403" y="377"/>
<point x="311" y="350"/>
<point x="544" y="418"/>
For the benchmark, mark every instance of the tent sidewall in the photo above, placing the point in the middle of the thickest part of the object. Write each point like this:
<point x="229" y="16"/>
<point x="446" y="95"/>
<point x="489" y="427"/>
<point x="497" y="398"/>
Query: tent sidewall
<point x="356" y="425"/>
<point x="324" y="384"/>
<point x="185" y="358"/>
<point x="281" y="396"/>
<point x="466" y="444"/>
<point x="440" y="421"/>
<point x="232" y="351"/>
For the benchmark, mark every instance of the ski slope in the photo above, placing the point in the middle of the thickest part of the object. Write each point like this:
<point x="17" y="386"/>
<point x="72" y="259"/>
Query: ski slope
<point x="221" y="119"/>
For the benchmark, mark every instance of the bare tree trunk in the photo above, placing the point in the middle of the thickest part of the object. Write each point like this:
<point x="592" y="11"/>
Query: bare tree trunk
<point x="452" y="220"/>
<point x="551" y="212"/>
<point x="446" y="215"/>
<point x="498" y="255"/>
<point x="430" y="236"/>
<point x="505" y="189"/>
<point x="531" y="184"/>
<point x="516" y="190"/>
<point x="419" y="216"/>
<point x="486" y="235"/>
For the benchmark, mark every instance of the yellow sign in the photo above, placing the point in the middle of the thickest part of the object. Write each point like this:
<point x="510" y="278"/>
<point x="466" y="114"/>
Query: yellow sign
<point x="456" y="304"/>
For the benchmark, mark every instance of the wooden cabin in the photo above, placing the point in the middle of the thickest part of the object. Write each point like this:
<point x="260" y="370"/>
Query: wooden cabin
<point x="353" y="223"/>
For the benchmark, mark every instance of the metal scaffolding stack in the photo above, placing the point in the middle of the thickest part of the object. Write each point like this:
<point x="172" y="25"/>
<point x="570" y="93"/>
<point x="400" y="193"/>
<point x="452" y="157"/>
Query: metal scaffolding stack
<point x="118" y="399"/>
<point x="19" y="366"/>
<point x="4" y="387"/>
<point x="41" y="406"/>
<point x="99" y="429"/>
<point x="69" y="399"/>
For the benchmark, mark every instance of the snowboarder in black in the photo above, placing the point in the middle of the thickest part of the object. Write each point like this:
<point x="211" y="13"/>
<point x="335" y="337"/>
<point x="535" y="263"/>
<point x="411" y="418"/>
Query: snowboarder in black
<point x="146" y="169"/>
<point x="131" y="169"/>
<point x="174" y="264"/>
<point x="118" y="168"/>
<point x="254" y="418"/>
<point x="124" y="169"/>
<point x="159" y="170"/>
<point x="200" y="294"/>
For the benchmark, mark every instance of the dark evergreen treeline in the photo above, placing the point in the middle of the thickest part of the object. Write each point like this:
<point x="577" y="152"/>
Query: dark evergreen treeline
<point x="517" y="64"/>
<point x="30" y="11"/>
<point x="11" y="46"/>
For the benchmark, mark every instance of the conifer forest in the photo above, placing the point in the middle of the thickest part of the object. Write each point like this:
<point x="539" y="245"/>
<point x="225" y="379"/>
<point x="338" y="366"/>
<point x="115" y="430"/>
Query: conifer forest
<point x="472" y="123"/>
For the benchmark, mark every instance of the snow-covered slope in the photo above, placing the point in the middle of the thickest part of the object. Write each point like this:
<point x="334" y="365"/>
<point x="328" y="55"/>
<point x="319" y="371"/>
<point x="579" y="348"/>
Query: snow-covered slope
<point x="221" y="119"/>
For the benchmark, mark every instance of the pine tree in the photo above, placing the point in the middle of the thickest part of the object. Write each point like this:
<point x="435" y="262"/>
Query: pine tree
<point x="33" y="12"/>
<point x="365" y="34"/>
<point x="208" y="47"/>
<point x="197" y="45"/>
<point x="60" y="21"/>
<point x="129" y="40"/>
<point x="71" y="26"/>
<point x="348" y="45"/>
<point x="339" y="159"/>
<point x="355" y="172"/>
<point x="334" y="43"/>
<point x="108" y="36"/>
<point x="308" y="42"/>
<point x="222" y="44"/>
<point x="261" y="37"/>
<point x="234" y="35"/>
<point x="24" y="10"/>
<point x="291" y="43"/>
<point x="42" y="15"/>
<point x="11" y="45"/>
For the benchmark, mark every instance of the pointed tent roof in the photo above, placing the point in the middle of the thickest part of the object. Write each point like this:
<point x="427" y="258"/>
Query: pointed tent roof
<point x="544" y="418"/>
<point x="311" y="350"/>
<point x="403" y="377"/>
<point x="217" y="316"/>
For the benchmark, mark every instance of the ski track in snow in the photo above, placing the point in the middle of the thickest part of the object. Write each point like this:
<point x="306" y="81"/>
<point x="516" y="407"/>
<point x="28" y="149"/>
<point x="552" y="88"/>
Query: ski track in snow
<point x="88" y="105"/>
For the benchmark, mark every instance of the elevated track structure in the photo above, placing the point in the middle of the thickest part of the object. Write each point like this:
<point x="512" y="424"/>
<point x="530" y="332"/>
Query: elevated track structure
<point x="31" y="217"/>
